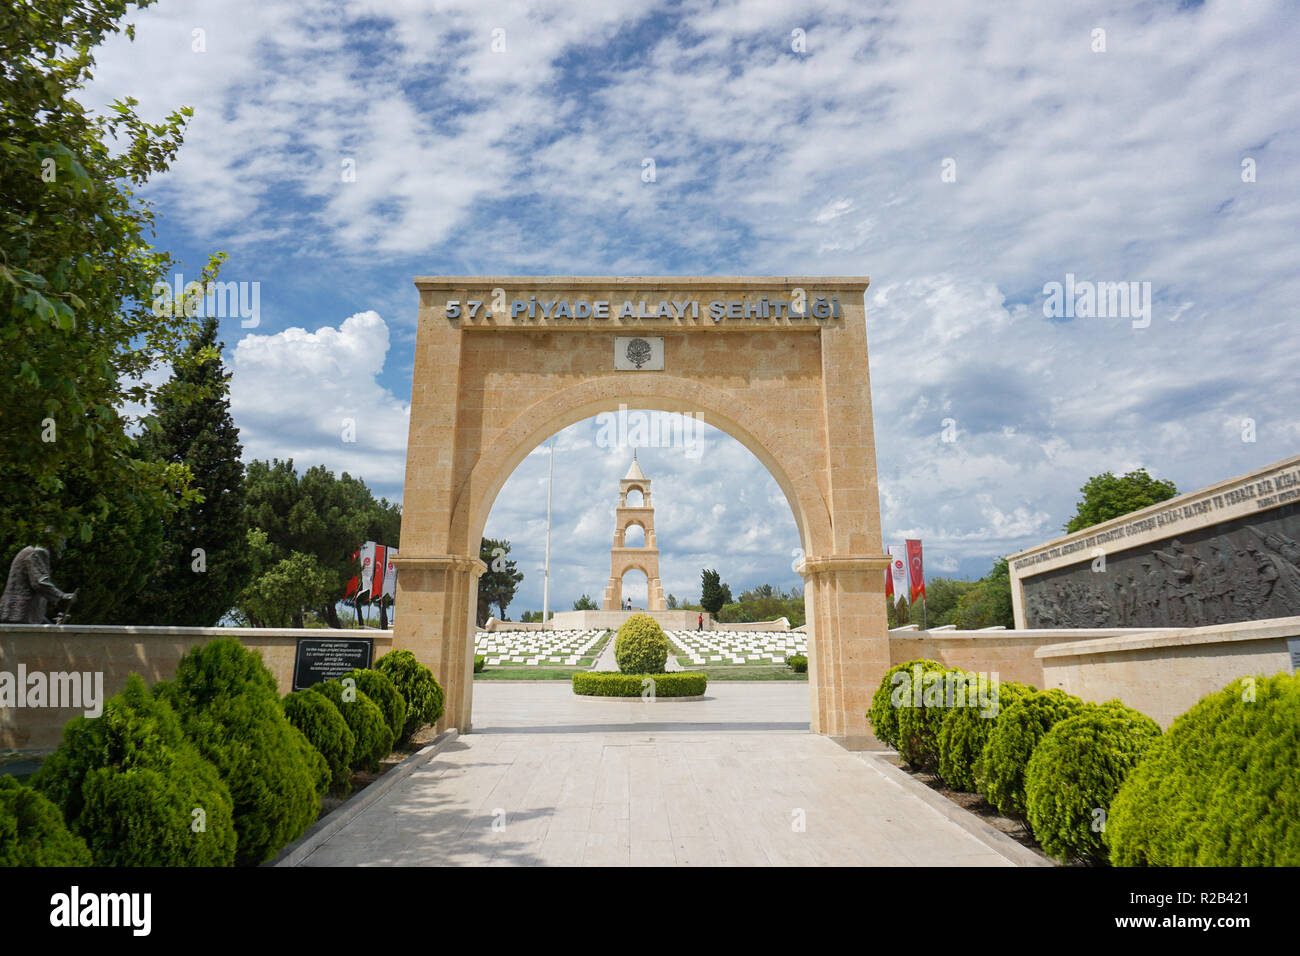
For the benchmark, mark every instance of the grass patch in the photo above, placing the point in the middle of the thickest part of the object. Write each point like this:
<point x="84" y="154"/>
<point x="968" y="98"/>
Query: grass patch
<point x="751" y="672"/>
<point x="518" y="672"/>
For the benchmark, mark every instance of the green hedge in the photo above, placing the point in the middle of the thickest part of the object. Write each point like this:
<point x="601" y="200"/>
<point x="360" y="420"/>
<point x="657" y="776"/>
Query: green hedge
<point x="614" y="684"/>
<point x="641" y="646"/>
<point x="32" y="831"/>
<point x="379" y="687"/>
<point x="479" y="662"/>
<point x="230" y="708"/>
<point x="797" y="663"/>
<point x="1221" y="788"/>
<point x="884" y="712"/>
<point x="322" y="724"/>
<point x="965" y="730"/>
<point x="374" y="738"/>
<point x="415" y="682"/>
<point x="128" y="783"/>
<point x="1011" y="742"/>
<point x="1075" y="772"/>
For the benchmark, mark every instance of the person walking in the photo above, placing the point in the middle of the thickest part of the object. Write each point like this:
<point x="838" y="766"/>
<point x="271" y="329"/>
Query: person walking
<point x="699" y="625"/>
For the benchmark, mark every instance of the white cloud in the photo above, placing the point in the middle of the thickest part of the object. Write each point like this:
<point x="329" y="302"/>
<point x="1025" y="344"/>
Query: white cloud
<point x="1117" y="166"/>
<point x="294" y="393"/>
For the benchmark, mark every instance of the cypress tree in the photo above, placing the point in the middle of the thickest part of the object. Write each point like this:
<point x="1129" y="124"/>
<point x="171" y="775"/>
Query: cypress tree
<point x="202" y="567"/>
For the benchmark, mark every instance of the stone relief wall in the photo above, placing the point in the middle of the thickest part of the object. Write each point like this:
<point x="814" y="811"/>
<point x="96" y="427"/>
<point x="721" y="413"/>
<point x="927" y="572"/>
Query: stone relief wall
<point x="1245" y="569"/>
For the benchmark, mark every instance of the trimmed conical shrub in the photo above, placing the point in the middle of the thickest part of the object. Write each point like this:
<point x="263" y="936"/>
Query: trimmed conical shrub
<point x="1075" y="772"/>
<point x="374" y="740"/>
<point x="137" y="790"/>
<point x="231" y="710"/>
<point x="32" y="831"/>
<point x="1221" y="788"/>
<point x="418" y="687"/>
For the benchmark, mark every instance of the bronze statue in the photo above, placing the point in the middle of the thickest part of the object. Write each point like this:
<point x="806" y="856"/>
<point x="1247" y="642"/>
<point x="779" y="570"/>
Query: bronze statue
<point x="29" y="587"/>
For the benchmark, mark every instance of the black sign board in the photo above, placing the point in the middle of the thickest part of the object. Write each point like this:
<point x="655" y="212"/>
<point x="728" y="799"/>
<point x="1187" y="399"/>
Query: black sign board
<point x="325" y="658"/>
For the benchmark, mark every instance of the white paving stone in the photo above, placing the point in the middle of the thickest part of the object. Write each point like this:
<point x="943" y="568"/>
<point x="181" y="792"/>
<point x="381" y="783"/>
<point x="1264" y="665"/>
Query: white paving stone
<point x="624" y="782"/>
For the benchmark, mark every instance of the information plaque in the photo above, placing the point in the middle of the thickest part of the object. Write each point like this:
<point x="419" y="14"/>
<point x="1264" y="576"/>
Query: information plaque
<point x="325" y="658"/>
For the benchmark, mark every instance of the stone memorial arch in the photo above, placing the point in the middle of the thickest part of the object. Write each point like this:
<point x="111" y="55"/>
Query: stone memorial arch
<point x="778" y="363"/>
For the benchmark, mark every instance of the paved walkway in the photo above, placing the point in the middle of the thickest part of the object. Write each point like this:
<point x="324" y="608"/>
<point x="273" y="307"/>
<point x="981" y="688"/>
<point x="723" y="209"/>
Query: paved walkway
<point x="607" y="662"/>
<point x="737" y="779"/>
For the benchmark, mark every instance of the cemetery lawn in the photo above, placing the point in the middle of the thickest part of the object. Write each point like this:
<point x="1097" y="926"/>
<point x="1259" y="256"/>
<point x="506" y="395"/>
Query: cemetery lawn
<point x="516" y="672"/>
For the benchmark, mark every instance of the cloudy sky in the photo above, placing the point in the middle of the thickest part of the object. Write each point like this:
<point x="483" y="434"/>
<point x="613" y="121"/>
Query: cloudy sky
<point x="964" y="156"/>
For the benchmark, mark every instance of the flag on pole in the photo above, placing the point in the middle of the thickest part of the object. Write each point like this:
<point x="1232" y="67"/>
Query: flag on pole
<point x="354" y="582"/>
<point x="898" y="573"/>
<point x="367" y="571"/>
<point x="381" y="568"/>
<point x="390" y="575"/>
<point x="915" y="569"/>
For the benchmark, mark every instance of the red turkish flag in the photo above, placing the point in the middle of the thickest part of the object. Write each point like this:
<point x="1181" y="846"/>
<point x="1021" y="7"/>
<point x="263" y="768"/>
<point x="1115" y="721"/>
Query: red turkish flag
<point x="914" y="568"/>
<point x="381" y="567"/>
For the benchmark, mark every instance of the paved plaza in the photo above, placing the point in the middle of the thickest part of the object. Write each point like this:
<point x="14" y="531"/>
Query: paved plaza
<point x="547" y="778"/>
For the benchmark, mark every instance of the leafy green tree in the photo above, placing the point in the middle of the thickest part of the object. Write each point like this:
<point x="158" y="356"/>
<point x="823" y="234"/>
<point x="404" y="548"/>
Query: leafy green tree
<point x="1106" y="496"/>
<point x="110" y="570"/>
<point x="764" y="603"/>
<point x="77" y="280"/>
<point x="498" y="584"/>
<point x="672" y="602"/>
<point x="713" y="592"/>
<point x="280" y="595"/>
<point x="321" y="515"/>
<point x="988" y="602"/>
<point x="202" y="568"/>
<point x="585" y="603"/>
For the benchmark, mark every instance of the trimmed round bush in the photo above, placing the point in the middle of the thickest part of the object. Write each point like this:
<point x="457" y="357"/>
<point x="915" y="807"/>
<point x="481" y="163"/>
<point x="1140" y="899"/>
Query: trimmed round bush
<point x="129" y="782"/>
<point x="797" y="663"/>
<point x="479" y="661"/>
<point x="965" y="730"/>
<point x="1075" y="772"/>
<point x="1221" y="787"/>
<point x="641" y="646"/>
<point x="32" y="831"/>
<point x="324" y="727"/>
<point x="615" y="684"/>
<point x="416" y="683"/>
<point x="919" y="724"/>
<point x="1011" y="742"/>
<point x="894" y="693"/>
<point x="374" y="738"/>
<point x="380" y="688"/>
<point x="230" y="708"/>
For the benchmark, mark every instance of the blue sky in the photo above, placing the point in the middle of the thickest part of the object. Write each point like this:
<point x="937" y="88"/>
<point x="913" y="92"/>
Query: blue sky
<point x="1115" y="164"/>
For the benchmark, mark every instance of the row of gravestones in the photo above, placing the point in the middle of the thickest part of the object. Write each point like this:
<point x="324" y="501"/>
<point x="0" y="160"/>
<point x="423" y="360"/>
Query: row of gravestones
<point x="739" y="647"/>
<point x="530" y="648"/>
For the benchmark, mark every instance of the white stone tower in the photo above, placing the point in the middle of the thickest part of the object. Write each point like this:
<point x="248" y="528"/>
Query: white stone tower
<point x="644" y="559"/>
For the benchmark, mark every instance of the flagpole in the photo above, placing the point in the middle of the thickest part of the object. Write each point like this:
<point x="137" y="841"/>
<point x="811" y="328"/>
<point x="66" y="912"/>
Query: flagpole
<point x="546" y="580"/>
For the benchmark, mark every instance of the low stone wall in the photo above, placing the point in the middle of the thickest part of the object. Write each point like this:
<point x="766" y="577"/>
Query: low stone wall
<point x="613" y="620"/>
<point x="1010" y="653"/>
<point x="1162" y="673"/>
<point x="780" y="624"/>
<point x="116" y="652"/>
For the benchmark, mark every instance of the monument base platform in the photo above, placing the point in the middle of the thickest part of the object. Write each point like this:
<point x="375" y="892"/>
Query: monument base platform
<point x="668" y="620"/>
